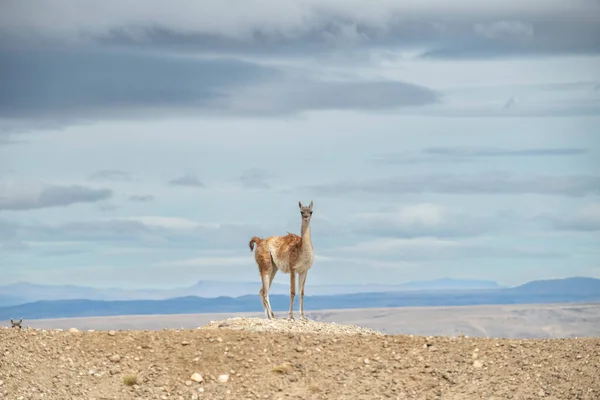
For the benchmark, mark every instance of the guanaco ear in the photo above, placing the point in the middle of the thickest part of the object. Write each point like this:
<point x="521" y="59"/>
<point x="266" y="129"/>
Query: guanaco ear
<point x="20" y="321"/>
<point x="300" y="204"/>
<point x="11" y="321"/>
<point x="310" y="205"/>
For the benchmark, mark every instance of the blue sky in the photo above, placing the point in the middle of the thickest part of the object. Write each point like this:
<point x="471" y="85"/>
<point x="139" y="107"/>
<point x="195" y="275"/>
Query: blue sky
<point x="144" y="145"/>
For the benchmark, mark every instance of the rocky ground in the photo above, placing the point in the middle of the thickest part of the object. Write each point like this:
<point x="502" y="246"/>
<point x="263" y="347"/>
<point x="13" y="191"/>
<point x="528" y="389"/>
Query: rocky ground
<point x="249" y="358"/>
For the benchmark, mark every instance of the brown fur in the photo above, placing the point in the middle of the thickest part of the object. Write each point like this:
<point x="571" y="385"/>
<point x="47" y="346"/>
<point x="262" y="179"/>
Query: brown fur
<point x="292" y="254"/>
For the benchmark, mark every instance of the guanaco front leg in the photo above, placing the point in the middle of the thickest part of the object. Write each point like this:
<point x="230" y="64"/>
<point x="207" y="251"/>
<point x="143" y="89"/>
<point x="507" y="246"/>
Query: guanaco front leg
<point x="302" y="278"/>
<point x="292" y="292"/>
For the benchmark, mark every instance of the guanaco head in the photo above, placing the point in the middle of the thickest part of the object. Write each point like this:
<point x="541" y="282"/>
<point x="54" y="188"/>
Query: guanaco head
<point x="306" y="212"/>
<point x="16" y="324"/>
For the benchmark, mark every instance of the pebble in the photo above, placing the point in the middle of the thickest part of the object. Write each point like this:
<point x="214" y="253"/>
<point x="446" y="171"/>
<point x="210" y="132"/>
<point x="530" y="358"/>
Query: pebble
<point x="366" y="361"/>
<point x="115" y="358"/>
<point x="73" y="330"/>
<point x="112" y="333"/>
<point x="477" y="364"/>
<point x="196" y="377"/>
<point x="223" y="378"/>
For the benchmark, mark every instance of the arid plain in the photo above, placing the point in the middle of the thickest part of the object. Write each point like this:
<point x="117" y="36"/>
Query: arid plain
<point x="503" y="321"/>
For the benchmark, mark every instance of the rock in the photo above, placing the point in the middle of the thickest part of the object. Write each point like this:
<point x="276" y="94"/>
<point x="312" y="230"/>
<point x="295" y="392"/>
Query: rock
<point x="194" y="396"/>
<point x="541" y="393"/>
<point x="201" y="390"/>
<point x="366" y="361"/>
<point x="300" y="349"/>
<point x="223" y="378"/>
<point x="115" y="358"/>
<point x="196" y="377"/>
<point x="112" y="333"/>
<point x="188" y="383"/>
<point x="73" y="330"/>
<point x="184" y="343"/>
<point x="477" y="364"/>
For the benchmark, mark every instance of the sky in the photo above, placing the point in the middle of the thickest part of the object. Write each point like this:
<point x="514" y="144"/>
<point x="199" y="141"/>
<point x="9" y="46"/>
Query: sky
<point x="143" y="144"/>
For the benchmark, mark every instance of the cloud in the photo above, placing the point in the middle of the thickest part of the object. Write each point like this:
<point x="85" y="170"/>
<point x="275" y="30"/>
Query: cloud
<point x="57" y="84"/>
<point x="431" y="248"/>
<point x="296" y="96"/>
<point x="491" y="183"/>
<point x="144" y="231"/>
<point x="585" y="219"/>
<point x="425" y="219"/>
<point x="141" y="198"/>
<point x="499" y="152"/>
<point x="188" y="179"/>
<point x="27" y="198"/>
<point x="255" y="179"/>
<point x="461" y="29"/>
<point x="110" y="175"/>
<point x="472" y="154"/>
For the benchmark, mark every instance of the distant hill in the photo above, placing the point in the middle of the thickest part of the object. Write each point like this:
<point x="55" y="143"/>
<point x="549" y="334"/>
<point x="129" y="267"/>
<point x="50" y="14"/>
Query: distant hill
<point x="24" y="292"/>
<point x="551" y="291"/>
<point x="574" y="285"/>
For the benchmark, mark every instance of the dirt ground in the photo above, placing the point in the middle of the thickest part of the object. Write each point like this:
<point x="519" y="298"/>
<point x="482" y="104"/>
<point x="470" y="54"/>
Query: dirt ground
<point x="258" y="359"/>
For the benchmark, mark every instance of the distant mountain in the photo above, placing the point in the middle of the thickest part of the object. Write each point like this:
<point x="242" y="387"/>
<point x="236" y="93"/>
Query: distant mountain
<point x="550" y="291"/>
<point x="26" y="292"/>
<point x="574" y="285"/>
<point x="11" y="300"/>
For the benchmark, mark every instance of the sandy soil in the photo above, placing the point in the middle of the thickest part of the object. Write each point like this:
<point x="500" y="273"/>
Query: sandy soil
<point x="254" y="358"/>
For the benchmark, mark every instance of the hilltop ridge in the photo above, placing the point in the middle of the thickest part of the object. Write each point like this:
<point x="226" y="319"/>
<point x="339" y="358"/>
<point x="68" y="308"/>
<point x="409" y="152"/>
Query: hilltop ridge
<point x="230" y="360"/>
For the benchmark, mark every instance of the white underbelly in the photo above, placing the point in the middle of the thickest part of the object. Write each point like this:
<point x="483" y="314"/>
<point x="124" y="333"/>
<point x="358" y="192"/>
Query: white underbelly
<point x="303" y="266"/>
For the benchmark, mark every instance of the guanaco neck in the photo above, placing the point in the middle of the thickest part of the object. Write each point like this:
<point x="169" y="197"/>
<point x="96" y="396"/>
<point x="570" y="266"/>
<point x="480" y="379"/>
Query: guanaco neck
<point x="306" y="243"/>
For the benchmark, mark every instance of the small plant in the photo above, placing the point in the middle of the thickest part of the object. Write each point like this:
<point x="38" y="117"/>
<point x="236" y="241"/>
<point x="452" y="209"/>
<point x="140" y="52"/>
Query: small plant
<point x="284" y="368"/>
<point x="130" y="380"/>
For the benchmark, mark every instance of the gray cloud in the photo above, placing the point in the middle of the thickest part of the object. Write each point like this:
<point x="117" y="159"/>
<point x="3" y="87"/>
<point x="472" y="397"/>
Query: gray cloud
<point x="586" y="220"/>
<point x="458" y="30"/>
<point x="110" y="175"/>
<point x="293" y="96"/>
<point x="426" y="220"/>
<point x="471" y="154"/>
<point x="255" y="179"/>
<point x="51" y="196"/>
<point x="141" y="198"/>
<point x="66" y="85"/>
<point x="132" y="232"/>
<point x="499" y="152"/>
<point x="576" y="185"/>
<point x="60" y="83"/>
<point x="188" y="179"/>
<point x="433" y="249"/>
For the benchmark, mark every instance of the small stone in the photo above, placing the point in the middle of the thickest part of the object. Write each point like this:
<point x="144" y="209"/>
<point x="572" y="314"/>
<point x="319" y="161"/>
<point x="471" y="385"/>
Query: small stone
<point x="477" y="364"/>
<point x="188" y="383"/>
<point x="194" y="396"/>
<point x="366" y="361"/>
<point x="112" y="333"/>
<point x="223" y="378"/>
<point x="115" y="358"/>
<point x="196" y="377"/>
<point x="184" y="343"/>
<point x="300" y="349"/>
<point x="73" y="330"/>
<point x="541" y="393"/>
<point x="219" y="340"/>
<point x="201" y="390"/>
